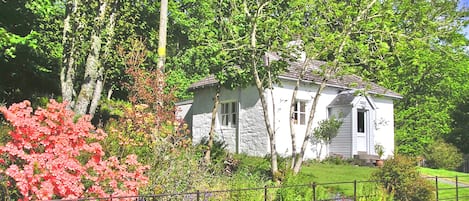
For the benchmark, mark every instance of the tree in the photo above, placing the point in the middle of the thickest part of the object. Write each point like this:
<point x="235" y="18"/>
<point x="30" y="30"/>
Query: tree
<point x="327" y="37"/>
<point x="53" y="155"/>
<point x="416" y="49"/>
<point x="387" y="48"/>
<point x="250" y="29"/>
<point x="92" y="83"/>
<point x="28" y="49"/>
<point x="325" y="132"/>
<point x="459" y="135"/>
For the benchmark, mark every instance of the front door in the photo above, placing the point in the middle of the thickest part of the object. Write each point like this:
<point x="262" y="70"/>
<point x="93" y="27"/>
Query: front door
<point x="362" y="130"/>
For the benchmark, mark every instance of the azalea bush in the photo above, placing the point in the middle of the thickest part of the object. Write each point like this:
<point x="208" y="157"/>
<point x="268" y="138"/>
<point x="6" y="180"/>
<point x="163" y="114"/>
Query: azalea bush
<point x="52" y="154"/>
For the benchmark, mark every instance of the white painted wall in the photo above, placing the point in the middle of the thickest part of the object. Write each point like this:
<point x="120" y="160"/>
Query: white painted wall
<point x="184" y="112"/>
<point x="306" y="93"/>
<point x="251" y="136"/>
<point x="384" y="125"/>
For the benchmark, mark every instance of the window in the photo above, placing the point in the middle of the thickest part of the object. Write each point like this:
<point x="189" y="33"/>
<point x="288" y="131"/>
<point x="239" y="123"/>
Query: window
<point x="299" y="114"/>
<point x="361" y="121"/>
<point x="229" y="113"/>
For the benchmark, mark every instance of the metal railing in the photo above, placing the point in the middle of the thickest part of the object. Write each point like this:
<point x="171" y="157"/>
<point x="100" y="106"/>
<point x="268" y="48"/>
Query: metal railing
<point x="459" y="190"/>
<point x="265" y="193"/>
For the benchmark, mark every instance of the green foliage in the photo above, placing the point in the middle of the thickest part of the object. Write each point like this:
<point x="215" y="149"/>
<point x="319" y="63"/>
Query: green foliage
<point x="327" y="130"/>
<point x="373" y="192"/>
<point x="401" y="52"/>
<point x="459" y="136"/>
<point x="218" y="152"/>
<point x="400" y="177"/>
<point x="243" y="180"/>
<point x="443" y="155"/>
<point x="297" y="188"/>
<point x="335" y="160"/>
<point x="28" y="62"/>
<point x="179" y="80"/>
<point x="379" y="149"/>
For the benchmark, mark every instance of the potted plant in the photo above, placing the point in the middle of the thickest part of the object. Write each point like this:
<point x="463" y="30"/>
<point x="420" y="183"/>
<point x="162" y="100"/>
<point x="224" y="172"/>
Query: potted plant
<point x="379" y="149"/>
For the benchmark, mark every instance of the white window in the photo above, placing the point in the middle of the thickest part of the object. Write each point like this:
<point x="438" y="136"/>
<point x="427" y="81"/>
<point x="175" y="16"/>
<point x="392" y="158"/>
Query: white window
<point x="299" y="113"/>
<point x="229" y="114"/>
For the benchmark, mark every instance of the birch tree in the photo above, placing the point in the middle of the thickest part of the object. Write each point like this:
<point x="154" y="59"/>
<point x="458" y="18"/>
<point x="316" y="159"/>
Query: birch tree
<point x="247" y="30"/>
<point x="91" y="85"/>
<point x="327" y="34"/>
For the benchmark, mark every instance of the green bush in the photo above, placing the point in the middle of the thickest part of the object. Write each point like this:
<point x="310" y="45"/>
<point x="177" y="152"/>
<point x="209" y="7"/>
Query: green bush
<point x="443" y="155"/>
<point x="373" y="192"/>
<point x="295" y="187"/>
<point x="245" y="180"/>
<point x="400" y="177"/>
<point x="335" y="159"/>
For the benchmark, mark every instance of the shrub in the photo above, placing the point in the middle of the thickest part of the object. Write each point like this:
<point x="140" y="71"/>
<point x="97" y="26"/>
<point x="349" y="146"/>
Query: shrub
<point x="295" y="187"/>
<point x="52" y="154"/>
<point x="325" y="132"/>
<point x="400" y="177"/>
<point x="335" y="159"/>
<point x="443" y="155"/>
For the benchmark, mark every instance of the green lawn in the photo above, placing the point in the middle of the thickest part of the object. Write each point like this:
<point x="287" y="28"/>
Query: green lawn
<point x="448" y="191"/>
<point x="462" y="177"/>
<point x="324" y="174"/>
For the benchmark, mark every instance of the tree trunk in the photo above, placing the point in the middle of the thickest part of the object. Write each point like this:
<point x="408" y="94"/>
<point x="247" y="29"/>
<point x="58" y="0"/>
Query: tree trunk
<point x="67" y="72"/>
<point x="211" y="136"/>
<point x="329" y="72"/>
<point x="92" y="66"/>
<point x="292" y="109"/>
<point x="100" y="79"/>
<point x="300" y="156"/>
<point x="260" y="90"/>
<point x="270" y="131"/>
<point x="97" y="92"/>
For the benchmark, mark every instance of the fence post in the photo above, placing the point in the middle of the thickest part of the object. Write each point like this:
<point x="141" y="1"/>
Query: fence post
<point x="436" y="187"/>
<point x="198" y="195"/>
<point x="314" y="191"/>
<point x="457" y="193"/>
<point x="354" y="190"/>
<point x="265" y="193"/>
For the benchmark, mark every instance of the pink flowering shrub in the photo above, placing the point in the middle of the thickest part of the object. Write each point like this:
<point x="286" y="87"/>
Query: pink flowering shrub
<point x="52" y="155"/>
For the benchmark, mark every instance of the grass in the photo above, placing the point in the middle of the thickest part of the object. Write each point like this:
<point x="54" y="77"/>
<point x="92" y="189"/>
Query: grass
<point x="329" y="173"/>
<point x="322" y="174"/>
<point x="448" y="191"/>
<point x="447" y="174"/>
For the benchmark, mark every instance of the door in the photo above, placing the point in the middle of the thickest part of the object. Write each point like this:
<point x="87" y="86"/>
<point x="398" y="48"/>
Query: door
<point x="362" y="130"/>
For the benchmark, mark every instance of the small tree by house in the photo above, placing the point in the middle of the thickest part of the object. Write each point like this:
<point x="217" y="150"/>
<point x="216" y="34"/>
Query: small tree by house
<point x="325" y="132"/>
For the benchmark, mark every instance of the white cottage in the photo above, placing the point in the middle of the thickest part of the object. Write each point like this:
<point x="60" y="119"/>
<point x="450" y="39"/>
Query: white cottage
<point x="367" y="119"/>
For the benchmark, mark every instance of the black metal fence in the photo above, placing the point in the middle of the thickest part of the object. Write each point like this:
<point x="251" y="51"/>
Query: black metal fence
<point x="312" y="191"/>
<point x="451" y="188"/>
<point x="446" y="188"/>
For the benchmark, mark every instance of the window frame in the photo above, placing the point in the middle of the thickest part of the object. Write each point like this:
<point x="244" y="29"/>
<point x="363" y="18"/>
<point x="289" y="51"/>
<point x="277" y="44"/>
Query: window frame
<point x="229" y="114"/>
<point x="299" y="116"/>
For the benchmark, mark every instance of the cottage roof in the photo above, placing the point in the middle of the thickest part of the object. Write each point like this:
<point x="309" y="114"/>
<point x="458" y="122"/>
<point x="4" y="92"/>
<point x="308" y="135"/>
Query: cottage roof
<point x="346" y="82"/>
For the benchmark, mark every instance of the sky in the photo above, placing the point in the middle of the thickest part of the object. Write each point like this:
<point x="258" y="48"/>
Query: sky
<point x="465" y="3"/>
